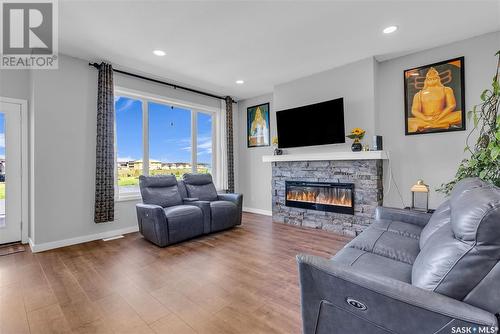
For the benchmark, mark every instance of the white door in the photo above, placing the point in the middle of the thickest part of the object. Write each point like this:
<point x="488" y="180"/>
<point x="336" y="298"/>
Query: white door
<point x="10" y="172"/>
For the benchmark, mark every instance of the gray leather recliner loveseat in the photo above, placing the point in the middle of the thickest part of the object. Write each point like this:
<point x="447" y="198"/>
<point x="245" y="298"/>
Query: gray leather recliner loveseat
<point x="170" y="213"/>
<point x="412" y="272"/>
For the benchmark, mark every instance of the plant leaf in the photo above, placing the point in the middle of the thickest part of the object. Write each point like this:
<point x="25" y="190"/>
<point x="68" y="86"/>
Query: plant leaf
<point x="496" y="87"/>
<point x="483" y="94"/>
<point x="495" y="152"/>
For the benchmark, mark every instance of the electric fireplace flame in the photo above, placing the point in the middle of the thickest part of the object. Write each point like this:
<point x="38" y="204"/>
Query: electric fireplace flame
<point x="333" y="197"/>
<point x="339" y="197"/>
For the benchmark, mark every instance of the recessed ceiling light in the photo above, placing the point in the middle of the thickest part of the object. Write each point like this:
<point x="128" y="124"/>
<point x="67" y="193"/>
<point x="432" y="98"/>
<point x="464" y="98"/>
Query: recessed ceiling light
<point x="390" y="29"/>
<point x="240" y="82"/>
<point x="159" y="53"/>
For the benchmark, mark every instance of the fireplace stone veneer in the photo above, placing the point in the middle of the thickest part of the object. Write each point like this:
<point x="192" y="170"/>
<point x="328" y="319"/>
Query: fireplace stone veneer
<point x="365" y="175"/>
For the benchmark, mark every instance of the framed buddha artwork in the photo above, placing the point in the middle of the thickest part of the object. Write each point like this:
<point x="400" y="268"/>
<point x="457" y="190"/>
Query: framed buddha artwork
<point x="258" y="128"/>
<point x="435" y="97"/>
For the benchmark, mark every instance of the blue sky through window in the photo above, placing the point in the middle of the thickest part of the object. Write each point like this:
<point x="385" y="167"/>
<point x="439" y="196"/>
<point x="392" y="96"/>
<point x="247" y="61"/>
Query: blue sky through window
<point x="169" y="132"/>
<point x="204" y="142"/>
<point x="128" y="129"/>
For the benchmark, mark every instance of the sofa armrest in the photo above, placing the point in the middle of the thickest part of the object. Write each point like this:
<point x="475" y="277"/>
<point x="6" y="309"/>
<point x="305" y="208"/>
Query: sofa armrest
<point x="236" y="199"/>
<point x="207" y="213"/>
<point x="403" y="215"/>
<point x="152" y="223"/>
<point x="380" y="304"/>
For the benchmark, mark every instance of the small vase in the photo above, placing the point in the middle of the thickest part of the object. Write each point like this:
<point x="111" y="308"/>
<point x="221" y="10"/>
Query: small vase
<point x="356" y="146"/>
<point x="278" y="151"/>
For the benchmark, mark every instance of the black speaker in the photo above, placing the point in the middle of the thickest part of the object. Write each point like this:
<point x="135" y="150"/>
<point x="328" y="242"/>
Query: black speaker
<point x="377" y="143"/>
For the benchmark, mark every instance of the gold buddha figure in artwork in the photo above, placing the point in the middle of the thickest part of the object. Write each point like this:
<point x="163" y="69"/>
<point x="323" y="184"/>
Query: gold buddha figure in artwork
<point x="434" y="106"/>
<point x="258" y="128"/>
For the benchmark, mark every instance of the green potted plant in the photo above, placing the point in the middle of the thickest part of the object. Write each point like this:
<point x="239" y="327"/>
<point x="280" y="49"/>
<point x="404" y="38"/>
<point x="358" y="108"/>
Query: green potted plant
<point x="484" y="160"/>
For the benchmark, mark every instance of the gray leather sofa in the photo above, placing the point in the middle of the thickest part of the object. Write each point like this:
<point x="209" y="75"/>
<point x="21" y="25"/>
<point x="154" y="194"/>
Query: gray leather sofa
<point x="169" y="215"/>
<point x="412" y="272"/>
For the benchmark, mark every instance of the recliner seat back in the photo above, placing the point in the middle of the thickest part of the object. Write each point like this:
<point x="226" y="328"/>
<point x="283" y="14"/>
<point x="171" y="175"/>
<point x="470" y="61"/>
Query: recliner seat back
<point x="160" y="190"/>
<point x="200" y="186"/>
<point x="460" y="246"/>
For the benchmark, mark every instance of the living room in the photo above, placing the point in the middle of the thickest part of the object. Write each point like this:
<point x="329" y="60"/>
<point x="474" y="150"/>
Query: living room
<point x="250" y="167"/>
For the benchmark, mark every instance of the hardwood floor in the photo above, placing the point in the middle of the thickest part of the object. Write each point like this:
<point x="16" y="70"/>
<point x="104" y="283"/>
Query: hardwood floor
<point x="239" y="281"/>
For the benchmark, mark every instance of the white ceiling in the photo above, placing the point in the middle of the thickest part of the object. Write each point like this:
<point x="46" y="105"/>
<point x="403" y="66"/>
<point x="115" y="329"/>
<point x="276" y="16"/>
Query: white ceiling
<point x="211" y="44"/>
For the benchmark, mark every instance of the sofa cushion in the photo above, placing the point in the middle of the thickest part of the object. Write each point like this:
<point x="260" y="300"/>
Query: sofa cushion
<point x="184" y="222"/>
<point x="460" y="254"/>
<point x="382" y="242"/>
<point x="160" y="190"/>
<point x="440" y="217"/>
<point x="373" y="264"/>
<point x="224" y="215"/>
<point x="200" y="186"/>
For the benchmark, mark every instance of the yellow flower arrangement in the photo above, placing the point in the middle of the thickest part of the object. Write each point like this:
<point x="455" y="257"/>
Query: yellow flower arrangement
<point x="357" y="133"/>
<point x="275" y="140"/>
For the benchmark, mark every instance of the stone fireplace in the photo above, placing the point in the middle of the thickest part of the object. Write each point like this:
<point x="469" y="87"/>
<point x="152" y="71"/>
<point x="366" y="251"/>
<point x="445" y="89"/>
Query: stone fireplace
<point x="337" y="194"/>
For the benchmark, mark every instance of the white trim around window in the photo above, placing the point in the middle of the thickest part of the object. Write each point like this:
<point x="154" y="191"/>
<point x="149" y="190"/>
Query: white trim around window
<point x="195" y="110"/>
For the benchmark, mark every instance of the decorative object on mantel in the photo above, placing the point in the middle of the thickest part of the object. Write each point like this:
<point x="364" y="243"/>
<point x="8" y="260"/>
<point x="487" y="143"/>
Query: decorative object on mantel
<point x="484" y="159"/>
<point x="258" y="128"/>
<point x="357" y="134"/>
<point x="377" y="143"/>
<point x="420" y="196"/>
<point x="435" y="97"/>
<point x="277" y="150"/>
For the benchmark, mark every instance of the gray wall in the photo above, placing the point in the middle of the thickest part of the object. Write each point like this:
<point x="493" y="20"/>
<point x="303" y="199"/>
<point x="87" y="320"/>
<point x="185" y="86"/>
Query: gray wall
<point x="373" y="98"/>
<point x="354" y="82"/>
<point x="15" y="84"/>
<point x="254" y="176"/>
<point x="433" y="157"/>
<point x="63" y="110"/>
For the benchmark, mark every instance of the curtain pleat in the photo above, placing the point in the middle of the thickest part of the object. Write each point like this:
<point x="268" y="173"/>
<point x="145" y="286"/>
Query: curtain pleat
<point x="229" y="144"/>
<point x="105" y="155"/>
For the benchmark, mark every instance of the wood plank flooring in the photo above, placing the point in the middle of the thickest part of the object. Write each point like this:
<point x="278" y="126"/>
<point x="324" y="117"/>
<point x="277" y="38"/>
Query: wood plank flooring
<point x="239" y="281"/>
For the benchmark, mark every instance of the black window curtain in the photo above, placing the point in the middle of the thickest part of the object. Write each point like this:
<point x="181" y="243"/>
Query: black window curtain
<point x="105" y="150"/>
<point x="229" y="144"/>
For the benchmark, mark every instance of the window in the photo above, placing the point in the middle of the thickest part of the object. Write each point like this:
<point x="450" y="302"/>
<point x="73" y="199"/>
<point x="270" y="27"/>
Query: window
<point x="204" y="143"/>
<point x="128" y="144"/>
<point x="171" y="138"/>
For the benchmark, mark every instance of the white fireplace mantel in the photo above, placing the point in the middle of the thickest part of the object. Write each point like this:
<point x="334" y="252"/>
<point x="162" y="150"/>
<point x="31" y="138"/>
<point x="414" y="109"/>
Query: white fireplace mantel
<point x="363" y="155"/>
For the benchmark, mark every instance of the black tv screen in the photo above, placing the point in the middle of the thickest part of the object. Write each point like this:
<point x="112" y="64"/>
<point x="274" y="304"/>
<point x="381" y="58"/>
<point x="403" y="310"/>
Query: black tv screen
<point x="316" y="124"/>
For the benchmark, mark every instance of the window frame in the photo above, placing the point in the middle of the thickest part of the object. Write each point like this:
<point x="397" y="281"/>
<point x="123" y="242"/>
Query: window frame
<point x="194" y="108"/>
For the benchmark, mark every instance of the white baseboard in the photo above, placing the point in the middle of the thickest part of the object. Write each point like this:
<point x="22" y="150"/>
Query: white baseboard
<point x="258" y="211"/>
<point x="35" y="248"/>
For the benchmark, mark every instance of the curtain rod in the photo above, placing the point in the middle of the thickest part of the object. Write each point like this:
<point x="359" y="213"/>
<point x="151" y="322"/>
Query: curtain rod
<point x="96" y="65"/>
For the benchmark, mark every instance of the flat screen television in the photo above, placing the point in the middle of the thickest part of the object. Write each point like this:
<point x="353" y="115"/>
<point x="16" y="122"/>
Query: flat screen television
<point x="315" y="124"/>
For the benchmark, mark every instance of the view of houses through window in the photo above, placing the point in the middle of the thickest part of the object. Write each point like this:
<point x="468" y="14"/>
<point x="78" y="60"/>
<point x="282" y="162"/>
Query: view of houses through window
<point x="170" y="140"/>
